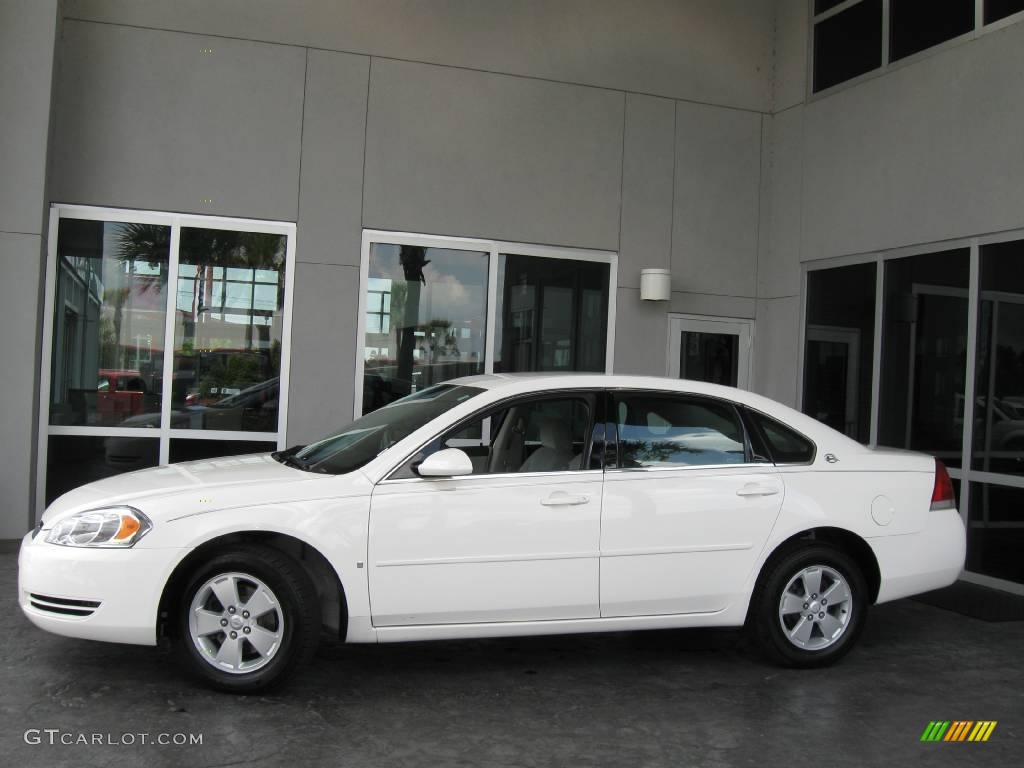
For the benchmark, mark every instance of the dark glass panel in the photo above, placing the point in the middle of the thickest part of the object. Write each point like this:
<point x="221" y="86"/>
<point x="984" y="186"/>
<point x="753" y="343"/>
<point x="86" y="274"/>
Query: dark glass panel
<point x="848" y="44"/>
<point x="918" y="24"/>
<point x="72" y="461"/>
<point x="553" y="314"/>
<point x="998" y="433"/>
<point x="711" y="357"/>
<point x="924" y="354"/>
<point x="838" y="352"/>
<point x="1000" y="9"/>
<point x="193" y="450"/>
<point x="995" y="531"/>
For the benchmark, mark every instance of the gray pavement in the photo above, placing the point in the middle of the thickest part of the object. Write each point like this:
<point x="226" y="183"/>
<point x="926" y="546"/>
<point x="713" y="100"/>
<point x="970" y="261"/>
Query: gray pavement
<point x="667" y="698"/>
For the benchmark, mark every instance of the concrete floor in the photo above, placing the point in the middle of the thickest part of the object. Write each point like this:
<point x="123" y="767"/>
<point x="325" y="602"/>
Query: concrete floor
<point x="670" y="698"/>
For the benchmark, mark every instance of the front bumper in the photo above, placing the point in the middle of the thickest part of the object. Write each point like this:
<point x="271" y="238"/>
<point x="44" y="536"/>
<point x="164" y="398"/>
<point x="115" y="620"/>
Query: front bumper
<point x="95" y="594"/>
<point x="931" y="558"/>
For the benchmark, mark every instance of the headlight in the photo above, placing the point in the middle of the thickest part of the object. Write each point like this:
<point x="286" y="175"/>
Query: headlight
<point x="109" y="527"/>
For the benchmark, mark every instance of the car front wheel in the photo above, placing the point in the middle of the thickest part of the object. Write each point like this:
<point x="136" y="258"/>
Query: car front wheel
<point x="810" y="608"/>
<point x="247" y="618"/>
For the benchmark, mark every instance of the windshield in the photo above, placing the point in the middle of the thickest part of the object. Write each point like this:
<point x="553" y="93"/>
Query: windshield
<point x="366" y="437"/>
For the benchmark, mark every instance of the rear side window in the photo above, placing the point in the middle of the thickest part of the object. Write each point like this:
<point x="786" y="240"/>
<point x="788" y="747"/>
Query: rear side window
<point x="785" y="445"/>
<point x="673" y="431"/>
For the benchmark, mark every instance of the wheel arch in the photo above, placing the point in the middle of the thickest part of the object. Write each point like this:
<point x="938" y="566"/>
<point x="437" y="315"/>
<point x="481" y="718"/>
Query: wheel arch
<point x="842" y="539"/>
<point x="325" y="579"/>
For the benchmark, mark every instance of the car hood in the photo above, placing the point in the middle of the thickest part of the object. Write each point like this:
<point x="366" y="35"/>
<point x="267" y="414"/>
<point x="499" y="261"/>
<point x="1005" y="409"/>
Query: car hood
<point x="251" y="472"/>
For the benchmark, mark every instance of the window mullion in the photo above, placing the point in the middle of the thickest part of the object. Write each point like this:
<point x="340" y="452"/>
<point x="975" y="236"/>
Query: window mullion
<point x="876" y="354"/>
<point x="166" y="385"/>
<point x="492" y="309"/>
<point x="973" y="297"/>
<point x="885" y="33"/>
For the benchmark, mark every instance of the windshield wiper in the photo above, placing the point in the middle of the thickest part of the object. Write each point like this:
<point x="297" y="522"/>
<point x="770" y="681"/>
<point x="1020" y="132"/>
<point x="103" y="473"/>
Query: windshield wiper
<point x="289" y="459"/>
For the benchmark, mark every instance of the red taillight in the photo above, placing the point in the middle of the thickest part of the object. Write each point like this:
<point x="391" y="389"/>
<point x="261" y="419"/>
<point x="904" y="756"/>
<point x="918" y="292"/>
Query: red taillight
<point x="943" y="496"/>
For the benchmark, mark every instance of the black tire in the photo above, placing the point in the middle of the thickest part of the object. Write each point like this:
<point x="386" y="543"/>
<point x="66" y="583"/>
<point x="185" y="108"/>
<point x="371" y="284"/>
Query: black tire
<point x="769" y="630"/>
<point x="299" y="609"/>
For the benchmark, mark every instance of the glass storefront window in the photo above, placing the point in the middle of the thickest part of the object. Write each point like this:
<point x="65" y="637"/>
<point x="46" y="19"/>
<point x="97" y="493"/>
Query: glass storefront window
<point x="924" y="354"/>
<point x="838" y="348"/>
<point x="114" y="277"/>
<point x="110" y="290"/>
<point x="932" y="396"/>
<point x="228" y="327"/>
<point x="998" y="433"/>
<point x="194" y="450"/>
<point x="995" y="531"/>
<point x="554" y="314"/>
<point x="427" y="305"/>
<point x="74" y="460"/>
<point x="426" y="319"/>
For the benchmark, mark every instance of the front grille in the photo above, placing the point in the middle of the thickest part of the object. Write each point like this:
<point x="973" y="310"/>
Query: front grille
<point x="63" y="605"/>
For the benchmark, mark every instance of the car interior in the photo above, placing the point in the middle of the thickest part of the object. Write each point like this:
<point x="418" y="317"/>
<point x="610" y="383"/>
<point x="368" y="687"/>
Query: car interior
<point x="547" y="435"/>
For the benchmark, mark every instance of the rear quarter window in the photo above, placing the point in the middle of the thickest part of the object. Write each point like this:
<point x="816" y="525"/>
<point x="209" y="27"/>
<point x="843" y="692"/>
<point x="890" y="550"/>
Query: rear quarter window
<point x="786" y="445"/>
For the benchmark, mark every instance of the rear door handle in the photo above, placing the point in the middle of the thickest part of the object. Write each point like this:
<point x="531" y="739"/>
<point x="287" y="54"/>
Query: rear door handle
<point x="563" y="499"/>
<point x="757" y="489"/>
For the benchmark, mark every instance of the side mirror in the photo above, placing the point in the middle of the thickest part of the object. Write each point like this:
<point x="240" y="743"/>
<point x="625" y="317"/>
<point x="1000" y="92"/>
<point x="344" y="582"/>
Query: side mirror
<point x="450" y="462"/>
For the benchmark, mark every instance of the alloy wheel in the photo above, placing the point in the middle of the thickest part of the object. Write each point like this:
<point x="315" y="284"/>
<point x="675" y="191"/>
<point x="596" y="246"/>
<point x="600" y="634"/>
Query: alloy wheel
<point x="815" y="608"/>
<point x="236" y="622"/>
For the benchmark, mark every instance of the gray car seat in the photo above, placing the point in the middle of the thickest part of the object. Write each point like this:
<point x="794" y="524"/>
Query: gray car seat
<point x="555" y="452"/>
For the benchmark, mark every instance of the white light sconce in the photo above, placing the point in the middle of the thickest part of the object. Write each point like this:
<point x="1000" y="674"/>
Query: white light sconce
<point x="655" y="284"/>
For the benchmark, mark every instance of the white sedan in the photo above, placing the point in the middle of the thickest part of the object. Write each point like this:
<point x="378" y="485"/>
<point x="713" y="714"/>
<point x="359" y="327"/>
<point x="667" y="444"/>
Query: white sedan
<point x="496" y="506"/>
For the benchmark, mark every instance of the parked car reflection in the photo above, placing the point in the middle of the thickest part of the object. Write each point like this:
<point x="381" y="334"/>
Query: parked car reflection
<point x="253" y="409"/>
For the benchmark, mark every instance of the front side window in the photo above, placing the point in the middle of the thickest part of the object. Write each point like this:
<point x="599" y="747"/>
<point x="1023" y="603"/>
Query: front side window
<point x="547" y="434"/>
<point x="664" y="431"/>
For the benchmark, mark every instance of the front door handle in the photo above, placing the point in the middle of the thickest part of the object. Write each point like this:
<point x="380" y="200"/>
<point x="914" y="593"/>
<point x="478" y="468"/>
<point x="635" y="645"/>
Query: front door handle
<point x="563" y="499"/>
<point x="757" y="489"/>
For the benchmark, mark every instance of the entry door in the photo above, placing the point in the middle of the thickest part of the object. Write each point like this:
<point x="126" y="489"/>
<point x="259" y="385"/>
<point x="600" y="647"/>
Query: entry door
<point x="518" y="540"/>
<point x="715" y="350"/>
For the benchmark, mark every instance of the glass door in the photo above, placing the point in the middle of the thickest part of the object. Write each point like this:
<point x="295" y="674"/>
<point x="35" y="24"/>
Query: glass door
<point x="715" y="350"/>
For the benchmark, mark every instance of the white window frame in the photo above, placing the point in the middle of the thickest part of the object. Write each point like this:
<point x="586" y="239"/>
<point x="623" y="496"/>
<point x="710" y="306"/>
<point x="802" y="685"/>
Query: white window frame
<point x="965" y="474"/>
<point x="742" y="328"/>
<point x="164" y="433"/>
<point x="494" y="248"/>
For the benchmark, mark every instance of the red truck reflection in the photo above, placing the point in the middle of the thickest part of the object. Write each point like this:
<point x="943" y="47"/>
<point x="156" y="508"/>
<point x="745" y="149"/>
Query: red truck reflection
<point x="120" y="394"/>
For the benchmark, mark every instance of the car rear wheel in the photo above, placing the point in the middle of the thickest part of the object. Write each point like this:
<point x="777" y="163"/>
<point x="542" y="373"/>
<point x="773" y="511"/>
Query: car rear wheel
<point x="810" y="608"/>
<point x="247" y="618"/>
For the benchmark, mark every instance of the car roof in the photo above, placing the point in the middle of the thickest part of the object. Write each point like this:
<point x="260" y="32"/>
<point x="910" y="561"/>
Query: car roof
<point x="533" y="382"/>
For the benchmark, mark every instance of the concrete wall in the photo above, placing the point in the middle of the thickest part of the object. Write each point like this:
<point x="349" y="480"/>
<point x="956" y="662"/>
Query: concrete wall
<point x="712" y="51"/>
<point x="27" y="33"/>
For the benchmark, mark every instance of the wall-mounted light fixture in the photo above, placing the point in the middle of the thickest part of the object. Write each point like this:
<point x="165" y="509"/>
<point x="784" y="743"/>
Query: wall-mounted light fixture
<point x="655" y="284"/>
